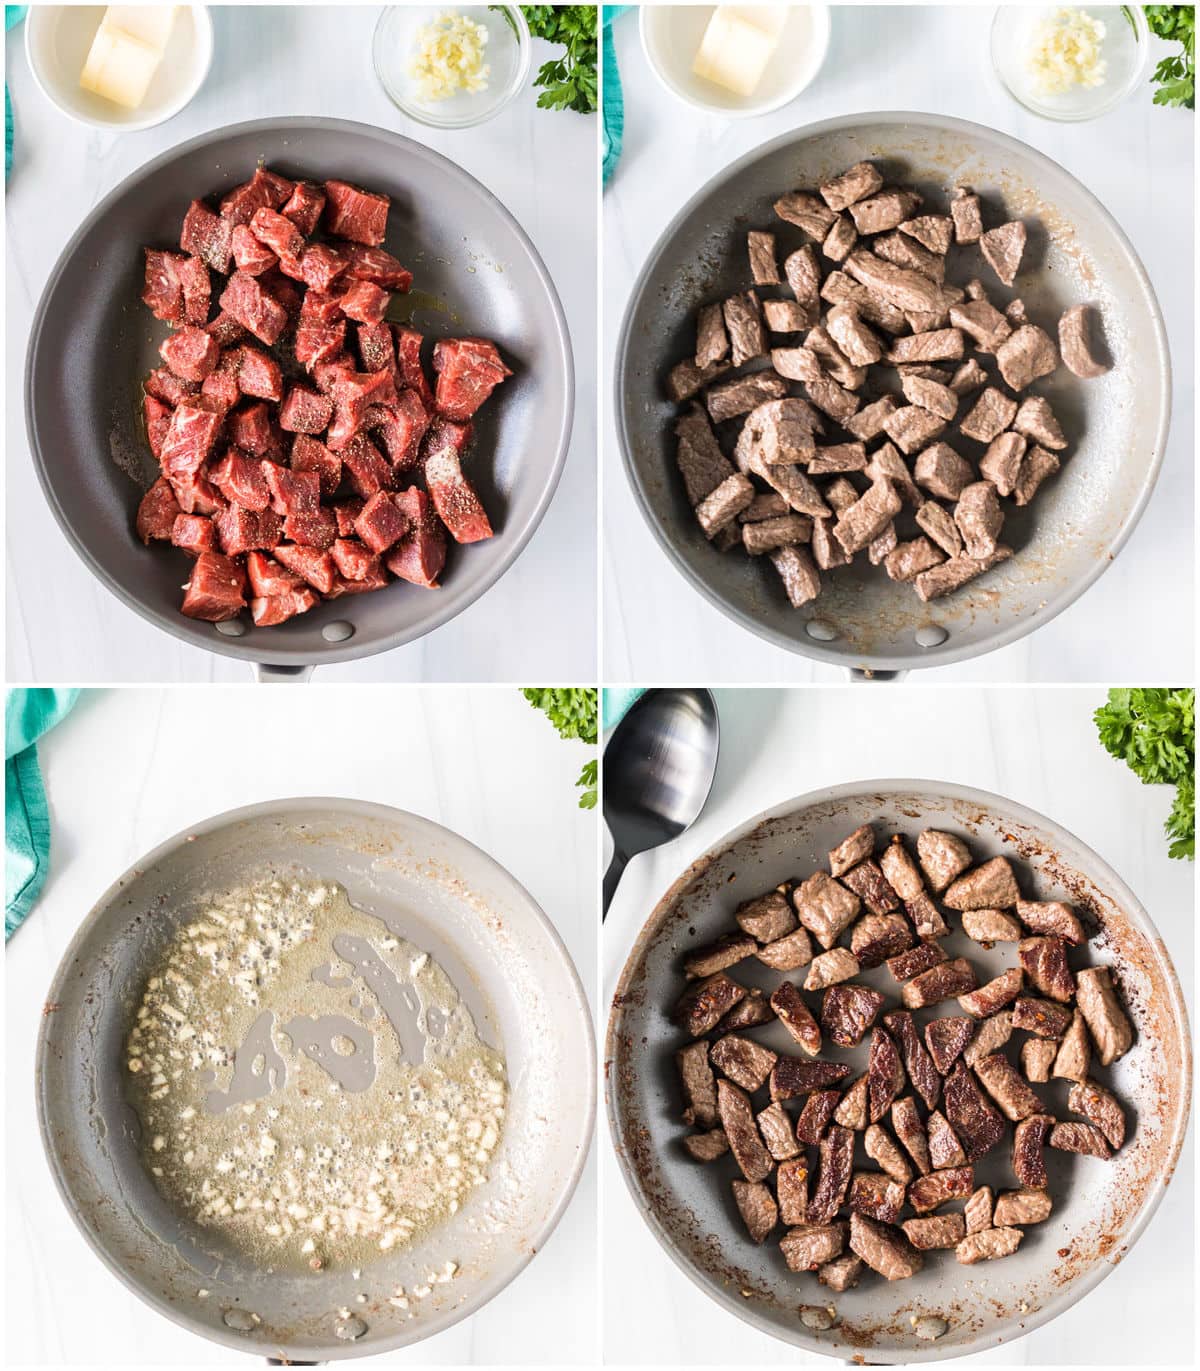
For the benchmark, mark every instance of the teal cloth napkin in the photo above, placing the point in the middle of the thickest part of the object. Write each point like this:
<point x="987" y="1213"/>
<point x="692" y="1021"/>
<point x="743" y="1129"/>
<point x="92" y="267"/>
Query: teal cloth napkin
<point x="614" y="105"/>
<point x="13" y="14"/>
<point x="28" y="714"/>
<point x="616" y="704"/>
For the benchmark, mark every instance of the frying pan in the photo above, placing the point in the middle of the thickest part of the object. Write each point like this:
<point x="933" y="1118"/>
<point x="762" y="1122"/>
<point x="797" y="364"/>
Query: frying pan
<point x="1100" y="1208"/>
<point x="1116" y="426"/>
<point x="505" y="959"/>
<point x="93" y="341"/>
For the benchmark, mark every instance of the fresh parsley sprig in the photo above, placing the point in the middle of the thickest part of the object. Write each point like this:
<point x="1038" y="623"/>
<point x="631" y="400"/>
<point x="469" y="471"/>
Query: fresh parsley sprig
<point x="573" y="711"/>
<point x="569" y="81"/>
<point x="1175" y="76"/>
<point x="1154" y="732"/>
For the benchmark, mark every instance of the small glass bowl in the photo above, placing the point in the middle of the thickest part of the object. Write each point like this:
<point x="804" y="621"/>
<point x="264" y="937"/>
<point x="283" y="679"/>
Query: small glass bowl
<point x="508" y="54"/>
<point x="1126" y="50"/>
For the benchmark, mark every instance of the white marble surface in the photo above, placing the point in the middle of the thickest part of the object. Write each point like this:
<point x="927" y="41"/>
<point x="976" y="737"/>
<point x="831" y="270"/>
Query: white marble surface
<point x="1038" y="748"/>
<point x="63" y="625"/>
<point x="483" y="762"/>
<point x="1138" y="160"/>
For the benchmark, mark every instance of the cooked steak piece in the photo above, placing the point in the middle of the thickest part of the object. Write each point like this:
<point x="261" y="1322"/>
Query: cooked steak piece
<point x="940" y="527"/>
<point x="917" y="1061"/>
<point x="1052" y="917"/>
<point x="807" y="212"/>
<point x="801" y="494"/>
<point x="888" y="466"/>
<point x="1101" y="1107"/>
<point x="1043" y="1017"/>
<point x="946" y="1039"/>
<point x="704" y="1002"/>
<point x="712" y="338"/>
<point x="707" y="1147"/>
<point x="1045" y="963"/>
<point x="942" y="472"/>
<point x="990" y="1036"/>
<point x="930" y="1192"/>
<point x="932" y="395"/>
<point x="985" y="324"/>
<point x="848" y="1010"/>
<point x="1025" y="356"/>
<point x="965" y="212"/>
<point x="936" y="1231"/>
<point x="702" y="464"/>
<point x="967" y="378"/>
<point x="1001" y="463"/>
<point x="1037" y="1057"/>
<point x="687" y="379"/>
<point x="869" y="422"/>
<point x="742" y="394"/>
<point x="990" y="998"/>
<point x="985" y="1246"/>
<point x="852" y="1111"/>
<point x="775" y="1128"/>
<point x="1035" y="419"/>
<point x="825" y="907"/>
<point x="803" y="274"/>
<point x="779" y="433"/>
<point x="840" y="289"/>
<point x="850" y="851"/>
<point x="991" y="414"/>
<point x="1005" y="1084"/>
<point x="911" y="1131"/>
<point x="858" y="343"/>
<point x="904" y="252"/>
<point x="921" y="957"/>
<point x="791" y="1190"/>
<point x="911" y="428"/>
<point x="883" y="211"/>
<point x="1084" y="1138"/>
<point x="1003" y="247"/>
<point x="744" y="1061"/>
<point x="990" y="886"/>
<point x="1075" y="1053"/>
<point x="854" y="184"/>
<point x="833" y="1178"/>
<point x="1029" y="1141"/>
<point x="876" y="937"/>
<point x="978" y="1125"/>
<point x="991" y="926"/>
<point x="946" y="981"/>
<point x="842" y="1273"/>
<point x="1073" y="331"/>
<point x="744" y="323"/>
<point x="816" y="1115"/>
<point x="901" y="871"/>
<point x="737" y="1119"/>
<point x="833" y="361"/>
<point x="725" y="503"/>
<point x="796" y="1017"/>
<point x="979" y="518"/>
<point x="955" y="573"/>
<point x="926" y="917"/>
<point x="1111" y="1030"/>
<point x="899" y="286"/>
<point x="1022" y="1207"/>
<point x="877" y="1196"/>
<point x="769" y="506"/>
<point x="827" y="551"/>
<point x="1036" y="466"/>
<point x="828" y="968"/>
<point x="942" y="856"/>
<point x="883" y="1248"/>
<point x="839" y="242"/>
<point x="748" y="1013"/>
<point x="763" y="269"/>
<point x="932" y="231"/>
<point x="795" y="950"/>
<point x="885" y="1074"/>
<point x="699" y="1085"/>
<point x="978" y="1210"/>
<point x="810" y="1247"/>
<point x="933" y="345"/>
<point x="756" y="1205"/>
<point x="837" y="457"/>
<point x="791" y="1077"/>
<point x="767" y="917"/>
<point x="788" y="316"/>
<point x="945" y="1150"/>
<point x="727" y="951"/>
<point x="880" y="1148"/>
<point x="871" y="886"/>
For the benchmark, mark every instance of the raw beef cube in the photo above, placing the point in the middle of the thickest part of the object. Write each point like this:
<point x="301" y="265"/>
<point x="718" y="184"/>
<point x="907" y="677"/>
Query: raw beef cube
<point x="162" y="293"/>
<point x="321" y="266"/>
<point x="366" y="468"/>
<point x="292" y="492"/>
<point x="346" y="513"/>
<point x="194" y="533"/>
<point x="305" y="411"/>
<point x="408" y="363"/>
<point x="375" y="580"/>
<point x="226" y="330"/>
<point x="215" y="590"/>
<point x="191" y="353"/>
<point x="454" y="497"/>
<point x="304" y="207"/>
<point x="354" y="394"/>
<point x="189" y="438"/>
<point x="197" y="495"/>
<point x="268" y="578"/>
<point x="259" y="375"/>
<point x="157" y="512"/>
<point x="157" y="417"/>
<point x="375" y="347"/>
<point x="356" y="562"/>
<point x="310" y="455"/>
<point x="328" y="373"/>
<point x="277" y="609"/>
<point x="421" y="554"/>
<point x="318" y="343"/>
<point x="263" y="190"/>
<point x="312" y="565"/>
<point x="277" y="233"/>
<point x="257" y="311"/>
<point x="252" y="256"/>
<point x="381" y="522"/>
<point x="469" y="369"/>
<point x="240" y="479"/>
<point x="207" y="236"/>
<point x="359" y="215"/>
<point x="401" y="428"/>
<point x="222" y="388"/>
<point x="249" y="427"/>
<point x="240" y="530"/>
<point x="315" y="528"/>
<point x="164" y="385"/>
<point x="285" y="291"/>
<point x="364" y="302"/>
<point x="197" y="290"/>
<point x="375" y="265"/>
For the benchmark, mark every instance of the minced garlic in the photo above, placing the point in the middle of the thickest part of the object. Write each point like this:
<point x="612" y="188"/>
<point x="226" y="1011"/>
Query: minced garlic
<point x="449" y="57"/>
<point x="1066" y="52"/>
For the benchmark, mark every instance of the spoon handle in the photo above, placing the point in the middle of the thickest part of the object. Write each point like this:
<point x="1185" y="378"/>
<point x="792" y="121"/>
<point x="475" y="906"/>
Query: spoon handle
<point x="616" y="869"/>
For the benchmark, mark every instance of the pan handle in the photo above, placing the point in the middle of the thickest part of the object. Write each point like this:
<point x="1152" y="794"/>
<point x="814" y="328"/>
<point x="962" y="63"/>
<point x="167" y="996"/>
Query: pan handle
<point x="271" y="673"/>
<point x="866" y="676"/>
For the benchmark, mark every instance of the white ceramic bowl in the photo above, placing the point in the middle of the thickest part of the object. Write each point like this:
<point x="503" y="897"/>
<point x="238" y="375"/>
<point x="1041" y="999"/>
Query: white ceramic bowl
<point x="59" y="37"/>
<point x="671" y="36"/>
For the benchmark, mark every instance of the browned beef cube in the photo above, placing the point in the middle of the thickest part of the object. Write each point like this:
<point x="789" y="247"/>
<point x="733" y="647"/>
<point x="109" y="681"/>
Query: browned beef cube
<point x="825" y="907"/>
<point x="957" y="572"/>
<point x="707" y="1147"/>
<point x="930" y="1192"/>
<point x="775" y="1126"/>
<point x="933" y="231"/>
<point x="871" y="886"/>
<point x="702" y="1004"/>
<point x="968" y="219"/>
<point x="943" y="857"/>
<point x="926" y="917"/>
<point x="763" y="268"/>
<point x="990" y="1036"/>
<point x="1045" y="963"/>
<point x="727" y="951"/>
<point x="936" y="1231"/>
<point x="880" y="1148"/>
<point x="1026" y="355"/>
<point x="869" y="422"/>
<point x="883" y="1248"/>
<point x="945" y="981"/>
<point x="876" y="937"/>
<point x="840" y="289"/>
<point x="900" y="287"/>
<point x="1043" y="1017"/>
<point x="796" y="1017"/>
<point x="725" y="503"/>
<point x="1074" y="337"/>
<point x="942" y="472"/>
<point x="991" y="998"/>
<point x="1002" y="248"/>
<point x="791" y="1190"/>
<point x="1028" y="1158"/>
<point x="842" y="1273"/>
<point x="743" y="1060"/>
<point x="930" y="345"/>
<point x="945" y="1150"/>
<point x="978" y="1210"/>
<point x="1005" y="1084"/>
<point x="850" y="851"/>
<point x="859" y="181"/>
<point x="848" y="1010"/>
<point x="699" y="1085"/>
<point x="858" y="343"/>
<point x="816" y="1115"/>
<point x="1098" y="1003"/>
<point x="1036" y="420"/>
<point x="767" y="917"/>
<point x="742" y="394"/>
<point x="737" y="1119"/>
<point x="990" y="886"/>
<point x="911" y="428"/>
<point x="779" y="433"/>
<point x="911" y="1131"/>
<point x="994" y="1242"/>
<point x="1052" y="917"/>
<point x="852" y="1110"/>
<point x="979" y="519"/>
<point x="991" y="414"/>
<point x="799" y="574"/>
<point x="1037" y="1057"/>
<point x="917" y="1061"/>
<point x="905" y="252"/>
<point x="712" y="338"/>
<point x="983" y="322"/>
<point x="789" y="316"/>
<point x="804" y="279"/>
<point x="769" y="506"/>
<point x="877" y="1196"/>
<point x="839" y="242"/>
<point x="978" y="1125"/>
<point x="748" y="1013"/>
<point x="1022" y="1207"/>
<point x="946" y="1039"/>
<point x="1001" y="464"/>
<point x="968" y="378"/>
<point x="885" y="1074"/>
<point x="940" y="527"/>
<point x="1075" y="1053"/>
<point x="1101" y="1107"/>
<point x="867" y="518"/>
<point x="756" y="1205"/>
<point x="917" y="959"/>
<point x="791" y="1077"/>
<point x="810" y="1247"/>
<point x="991" y="926"/>
<point x="788" y="953"/>
<point x="701" y="462"/>
<point x="833" y="1178"/>
<point x="884" y="210"/>
<point x="900" y="869"/>
<point x="807" y="212"/>
<point x="1084" y="1138"/>
<point x="744" y="324"/>
<point x="687" y="379"/>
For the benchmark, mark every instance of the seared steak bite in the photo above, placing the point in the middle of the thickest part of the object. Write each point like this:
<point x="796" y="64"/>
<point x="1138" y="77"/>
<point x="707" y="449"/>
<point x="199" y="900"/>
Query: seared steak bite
<point x="1022" y="1207"/>
<point x="979" y="518"/>
<point x="1001" y="463"/>
<point x="727" y="951"/>
<point x="842" y="1273"/>
<point x="875" y="1195"/>
<point x="995" y="995"/>
<point x="701" y="462"/>
<point x="991" y="414"/>
<point x="942" y="472"/>
<point x="926" y="917"/>
<point x="816" y="1115"/>
<point x="704" y="1002"/>
<point x="869" y="422"/>
<point x="833" y="360"/>
<point x="796" y="1017"/>
<point x="883" y="1248"/>
<point x="946" y="1039"/>
<point x="686" y="379"/>
<point x="875" y="937"/>
<point x="898" y="286"/>
<point x="918" y="958"/>
<point x="769" y="506"/>
<point x="756" y="1205"/>
<point x="712" y="338"/>
<point x="945" y="1150"/>
<point x="860" y="346"/>
<point x="1002" y="248"/>
<point x="942" y="856"/>
<point x="744" y="1061"/>
<point x="775" y="1128"/>
<point x="767" y="917"/>
<point x="850" y="851"/>
<point x="901" y="871"/>
<point x="978" y="1125"/>
<point x="885" y="1074"/>
<point x="990" y="886"/>
<point x="932" y="231"/>
<point x="825" y="907"/>
<point x="917" y="1062"/>
<point x="884" y="210"/>
<point x="1075" y="1052"/>
<point x="938" y="1230"/>
<point x="955" y="573"/>
<point x="1005" y="1084"/>
<point x="833" y="1177"/>
<point x="1036" y="466"/>
<point x="810" y="1247"/>
<point x="1073" y="338"/>
<point x="737" y="1119"/>
<point x="739" y="396"/>
<point x="788" y="953"/>
<point x="807" y="212"/>
<point x="905" y="252"/>
<point x="906" y="1122"/>
<point x="930" y="1192"/>
<point x="1111" y="1030"/>
<point x="804" y="280"/>
<point x="871" y="886"/>
<point x="1035" y="419"/>
<point x="1045" y="963"/>
<point x="967" y="378"/>
<point x="791" y="1190"/>
<point x="744" y="323"/>
<point x="747" y="1013"/>
<point x="699" y="1085"/>
<point x="780" y="433"/>
<point x="800" y="578"/>
<point x="966" y="215"/>
<point x="946" y="981"/>
<point x="1100" y="1107"/>
<point x="1043" y="1017"/>
<point x="848" y="1010"/>
<point x="854" y="184"/>
<point x="707" y="1147"/>
<point x="1084" y="1138"/>
<point x="772" y="534"/>
<point x="852" y="1109"/>
<point x="828" y="968"/>
<point x="990" y="1036"/>
<point x="940" y="527"/>
<point x="985" y="1246"/>
<point x="931" y="345"/>
<point x="880" y="1148"/>
<point x="725" y="503"/>
<point x="839" y="242"/>
<point x="763" y="269"/>
<point x="991" y="926"/>
<point x="791" y="1076"/>
<point x="982" y="321"/>
<point x="840" y="289"/>
<point x="1037" y="1057"/>
<point x="887" y="465"/>
<point x="1029" y="1141"/>
<point x="978" y="1210"/>
<point x="788" y="316"/>
<point x="1052" y="917"/>
<point x="911" y="428"/>
<point x="1026" y="355"/>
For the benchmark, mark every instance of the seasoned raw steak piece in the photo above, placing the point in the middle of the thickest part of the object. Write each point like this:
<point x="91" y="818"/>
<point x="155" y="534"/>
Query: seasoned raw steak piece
<point x="420" y="555"/>
<point x="796" y="1017"/>
<point x="917" y="959"/>
<point x="852" y="1111"/>
<point x="978" y="1210"/>
<point x="1005" y="1084"/>
<point x="825" y="907"/>
<point x="216" y="589"/>
<point x="187" y="443"/>
<point x="945" y="981"/>
<point x="1084" y="1138"/>
<point x="978" y="1125"/>
<point x="1026" y="355"/>
<point x="991" y="926"/>
<point x="917" y="1061"/>
<point x="702" y="1004"/>
<point x="766" y="918"/>
<point x="699" y="1085"/>
<point x="1022" y="1207"/>
<point x="258" y="312"/>
<point x="816" y="1115"/>
<point x="157" y="512"/>
<point x="946" y="1039"/>
<point x="911" y="1132"/>
<point x="993" y="1242"/>
<point x="943" y="857"/>
<point x="756" y="1205"/>
<point x="852" y="850"/>
<point x="743" y="1060"/>
<point x="727" y="951"/>
<point x="936" y="1231"/>
<point x="1043" y="1017"/>
<point x="790" y="952"/>
<point x="876" y="937"/>
<point x="854" y="184"/>
<point x="990" y="886"/>
<point x="1037" y="1057"/>
<point x="1098" y="1003"/>
<point x="191" y="353"/>
<point x="880" y="1148"/>
<point x="1029" y="1140"/>
<point x="848" y="1010"/>
<point x="883" y="1248"/>
<point x="791" y="1076"/>
<point x="877" y="1196"/>
<point x="1100" y="1107"/>
<point x="468" y="370"/>
<point x="833" y="1178"/>
<point x="885" y="1074"/>
<point x="991" y="998"/>
<point x="737" y="1119"/>
<point x="707" y="1147"/>
<point x="991" y="1035"/>
<point x="810" y="1247"/>
<point x="1045" y="963"/>
<point x="356" y="214"/>
<point x="791" y="1190"/>
<point x="945" y="1150"/>
<point x="869" y="883"/>
<point x="838" y="964"/>
<point x="991" y="414"/>
<point x="930" y="1192"/>
<point x="842" y="1273"/>
<point x="454" y="497"/>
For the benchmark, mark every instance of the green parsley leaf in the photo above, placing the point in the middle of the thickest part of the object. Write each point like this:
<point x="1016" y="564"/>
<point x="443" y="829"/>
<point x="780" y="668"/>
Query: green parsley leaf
<point x="1153" y="731"/>
<point x="573" y="711"/>
<point x="1176" y="75"/>
<point x="570" y="81"/>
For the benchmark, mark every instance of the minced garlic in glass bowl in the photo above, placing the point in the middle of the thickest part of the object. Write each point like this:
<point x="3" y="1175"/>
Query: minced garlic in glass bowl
<point x="1069" y="62"/>
<point x="449" y="57"/>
